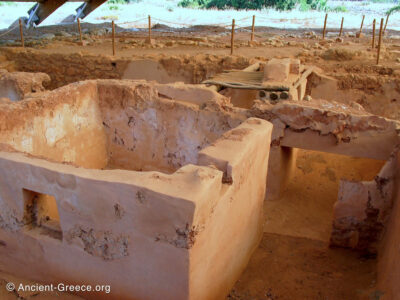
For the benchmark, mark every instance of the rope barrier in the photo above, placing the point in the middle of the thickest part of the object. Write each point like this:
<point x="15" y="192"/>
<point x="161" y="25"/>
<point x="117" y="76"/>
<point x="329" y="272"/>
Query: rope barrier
<point x="172" y="23"/>
<point x="226" y="25"/>
<point x="122" y="23"/>
<point x="8" y="31"/>
<point x="280" y="18"/>
<point x="245" y="18"/>
<point x="189" y="25"/>
<point x="131" y="22"/>
<point x="244" y="28"/>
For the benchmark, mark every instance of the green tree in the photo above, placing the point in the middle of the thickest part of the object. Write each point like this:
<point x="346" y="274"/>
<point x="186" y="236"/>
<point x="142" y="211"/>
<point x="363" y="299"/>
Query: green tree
<point x="253" y="4"/>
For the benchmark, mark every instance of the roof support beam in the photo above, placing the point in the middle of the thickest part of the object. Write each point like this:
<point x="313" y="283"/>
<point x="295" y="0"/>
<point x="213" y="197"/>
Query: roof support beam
<point x="87" y="7"/>
<point x="44" y="8"/>
<point x="41" y="10"/>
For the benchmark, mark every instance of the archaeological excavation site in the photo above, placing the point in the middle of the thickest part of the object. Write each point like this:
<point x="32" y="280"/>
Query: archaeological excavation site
<point x="198" y="163"/>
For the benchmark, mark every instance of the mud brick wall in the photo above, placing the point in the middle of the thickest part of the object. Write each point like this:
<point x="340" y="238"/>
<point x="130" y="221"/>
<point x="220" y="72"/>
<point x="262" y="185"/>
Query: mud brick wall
<point x="65" y="69"/>
<point x="363" y="208"/>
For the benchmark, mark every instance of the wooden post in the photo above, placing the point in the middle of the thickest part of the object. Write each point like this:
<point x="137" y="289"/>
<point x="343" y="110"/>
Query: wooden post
<point x="362" y="23"/>
<point x="373" y="33"/>
<point x="324" y="31"/>
<point x="387" y="19"/>
<point x="379" y="43"/>
<point x="21" y="32"/>
<point x="113" y="37"/>
<point x="341" y="28"/>
<point x="233" y="35"/>
<point x="252" y="28"/>
<point x="80" y="31"/>
<point x="149" y="29"/>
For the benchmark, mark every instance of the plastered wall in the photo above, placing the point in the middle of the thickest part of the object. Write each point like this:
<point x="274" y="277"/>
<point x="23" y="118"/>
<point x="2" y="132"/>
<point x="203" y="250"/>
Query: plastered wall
<point x="146" y="132"/>
<point x="63" y="126"/>
<point x="149" y="235"/>
<point x="389" y="257"/>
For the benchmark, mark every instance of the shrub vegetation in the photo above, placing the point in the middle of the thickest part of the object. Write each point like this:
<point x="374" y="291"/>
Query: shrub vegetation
<point x="255" y="4"/>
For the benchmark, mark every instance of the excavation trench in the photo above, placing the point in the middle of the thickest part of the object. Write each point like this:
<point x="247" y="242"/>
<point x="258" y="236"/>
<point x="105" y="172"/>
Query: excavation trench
<point x="65" y="69"/>
<point x="119" y="133"/>
<point x="305" y="208"/>
<point x="296" y="236"/>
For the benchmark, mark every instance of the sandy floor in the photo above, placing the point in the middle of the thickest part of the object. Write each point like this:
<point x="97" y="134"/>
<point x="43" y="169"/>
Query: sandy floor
<point x="305" y="208"/>
<point x="288" y="268"/>
<point x="293" y="260"/>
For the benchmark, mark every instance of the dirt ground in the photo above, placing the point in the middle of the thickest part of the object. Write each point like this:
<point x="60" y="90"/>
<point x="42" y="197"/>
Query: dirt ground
<point x="306" y="206"/>
<point x="293" y="260"/>
<point x="350" y="60"/>
<point x="285" y="267"/>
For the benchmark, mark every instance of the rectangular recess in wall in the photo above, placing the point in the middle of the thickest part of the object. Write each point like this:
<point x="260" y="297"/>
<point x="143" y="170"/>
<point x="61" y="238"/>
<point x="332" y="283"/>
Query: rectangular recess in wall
<point x="41" y="213"/>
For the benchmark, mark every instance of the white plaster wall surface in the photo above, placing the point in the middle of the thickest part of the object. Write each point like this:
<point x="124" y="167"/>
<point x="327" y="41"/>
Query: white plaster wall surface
<point x="135" y="229"/>
<point x="158" y="133"/>
<point x="64" y="126"/>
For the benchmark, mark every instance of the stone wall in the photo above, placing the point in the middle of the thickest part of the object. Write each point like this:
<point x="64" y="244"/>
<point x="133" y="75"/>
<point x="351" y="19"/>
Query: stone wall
<point x="363" y="208"/>
<point x="16" y="85"/>
<point x="65" y="69"/>
<point x="389" y="256"/>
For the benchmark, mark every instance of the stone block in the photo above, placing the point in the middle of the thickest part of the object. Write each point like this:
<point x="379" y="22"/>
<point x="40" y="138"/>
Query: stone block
<point x="295" y="66"/>
<point x="277" y="70"/>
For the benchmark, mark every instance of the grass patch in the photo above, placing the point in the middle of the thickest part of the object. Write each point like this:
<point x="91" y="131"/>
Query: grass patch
<point x="8" y="3"/>
<point x="123" y="1"/>
<point x="339" y="8"/>
<point x="303" y="5"/>
<point x="393" y="10"/>
<point x="117" y="2"/>
<point x="113" y="7"/>
<point x="306" y="5"/>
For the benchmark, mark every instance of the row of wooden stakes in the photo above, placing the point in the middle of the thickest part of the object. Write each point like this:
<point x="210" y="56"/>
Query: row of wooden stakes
<point x="381" y="32"/>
